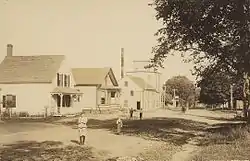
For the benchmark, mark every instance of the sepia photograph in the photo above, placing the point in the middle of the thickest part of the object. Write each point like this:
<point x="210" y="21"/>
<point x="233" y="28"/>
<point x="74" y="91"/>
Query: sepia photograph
<point x="124" y="80"/>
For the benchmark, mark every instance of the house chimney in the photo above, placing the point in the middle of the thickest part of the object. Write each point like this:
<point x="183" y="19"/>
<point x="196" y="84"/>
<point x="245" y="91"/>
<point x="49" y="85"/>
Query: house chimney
<point x="122" y="63"/>
<point x="9" y="50"/>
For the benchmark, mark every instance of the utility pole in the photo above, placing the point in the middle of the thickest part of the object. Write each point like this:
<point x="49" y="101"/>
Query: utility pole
<point x="174" y="98"/>
<point x="164" y="96"/>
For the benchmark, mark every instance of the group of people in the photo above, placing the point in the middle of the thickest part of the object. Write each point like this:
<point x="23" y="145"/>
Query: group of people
<point x="131" y="111"/>
<point x="82" y="125"/>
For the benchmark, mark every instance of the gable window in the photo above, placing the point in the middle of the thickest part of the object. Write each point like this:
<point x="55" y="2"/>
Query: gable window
<point x="131" y="93"/>
<point x="112" y="94"/>
<point x="126" y="83"/>
<point x="59" y="80"/>
<point x="68" y="80"/>
<point x="9" y="101"/>
<point x="65" y="81"/>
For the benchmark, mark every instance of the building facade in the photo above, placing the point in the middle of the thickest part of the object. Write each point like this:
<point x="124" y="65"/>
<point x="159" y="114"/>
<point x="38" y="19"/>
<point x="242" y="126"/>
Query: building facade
<point x="141" y="88"/>
<point x="100" y="87"/>
<point x="37" y="85"/>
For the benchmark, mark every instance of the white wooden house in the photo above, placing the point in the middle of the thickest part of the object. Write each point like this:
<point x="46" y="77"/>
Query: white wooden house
<point x="38" y="84"/>
<point x="138" y="94"/>
<point x="99" y="86"/>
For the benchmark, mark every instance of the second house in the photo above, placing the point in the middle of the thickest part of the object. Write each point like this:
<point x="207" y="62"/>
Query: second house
<point x="100" y="87"/>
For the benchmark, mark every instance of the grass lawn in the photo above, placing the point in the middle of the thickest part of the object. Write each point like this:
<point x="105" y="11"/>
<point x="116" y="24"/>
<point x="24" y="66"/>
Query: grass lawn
<point x="225" y="143"/>
<point x="40" y="151"/>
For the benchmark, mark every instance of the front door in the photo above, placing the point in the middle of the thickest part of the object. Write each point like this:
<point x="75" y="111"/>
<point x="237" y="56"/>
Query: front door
<point x="138" y="105"/>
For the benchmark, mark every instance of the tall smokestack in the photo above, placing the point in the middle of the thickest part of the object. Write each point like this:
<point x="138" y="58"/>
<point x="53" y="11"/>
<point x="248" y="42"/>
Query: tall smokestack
<point x="122" y="62"/>
<point x="9" y="50"/>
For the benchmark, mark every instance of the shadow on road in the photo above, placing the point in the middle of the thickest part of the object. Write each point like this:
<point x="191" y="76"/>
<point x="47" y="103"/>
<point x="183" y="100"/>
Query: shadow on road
<point x="174" y="130"/>
<point x="218" y="118"/>
<point x="48" y="150"/>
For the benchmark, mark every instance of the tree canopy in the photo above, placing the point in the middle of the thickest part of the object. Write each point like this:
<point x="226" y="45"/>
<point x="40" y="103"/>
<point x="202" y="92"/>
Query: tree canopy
<point x="212" y="31"/>
<point x="184" y="88"/>
<point x="215" y="87"/>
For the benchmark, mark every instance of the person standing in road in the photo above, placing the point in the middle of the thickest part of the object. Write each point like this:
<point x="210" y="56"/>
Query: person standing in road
<point x="119" y="125"/>
<point x="82" y="128"/>
<point x="131" y="111"/>
<point x="141" y="114"/>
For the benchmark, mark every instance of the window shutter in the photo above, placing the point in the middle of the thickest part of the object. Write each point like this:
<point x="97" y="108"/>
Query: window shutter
<point x="68" y="80"/>
<point x="61" y="80"/>
<point x="58" y="79"/>
<point x="4" y="101"/>
<point x="65" y="80"/>
<point x="14" y="101"/>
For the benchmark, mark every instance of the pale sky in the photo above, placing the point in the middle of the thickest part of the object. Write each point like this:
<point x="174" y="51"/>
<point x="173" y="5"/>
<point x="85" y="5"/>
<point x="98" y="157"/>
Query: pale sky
<point x="89" y="32"/>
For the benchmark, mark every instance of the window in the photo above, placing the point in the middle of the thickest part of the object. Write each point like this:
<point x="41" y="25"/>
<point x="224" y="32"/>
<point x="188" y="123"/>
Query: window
<point x="68" y="80"/>
<point x="76" y="98"/>
<point x="59" y="80"/>
<point x="66" y="101"/>
<point x="125" y="103"/>
<point x="9" y="101"/>
<point x="65" y="81"/>
<point x="102" y="100"/>
<point x="112" y="94"/>
<point x="131" y="93"/>
<point x="126" y="83"/>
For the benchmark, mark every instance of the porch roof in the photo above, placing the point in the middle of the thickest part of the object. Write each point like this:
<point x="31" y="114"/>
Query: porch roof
<point x="66" y="90"/>
<point x="111" y="87"/>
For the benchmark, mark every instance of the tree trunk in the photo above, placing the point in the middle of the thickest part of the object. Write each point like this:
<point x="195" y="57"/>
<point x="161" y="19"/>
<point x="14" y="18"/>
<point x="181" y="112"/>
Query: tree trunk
<point x="246" y="96"/>
<point x="235" y="104"/>
<point x="229" y="105"/>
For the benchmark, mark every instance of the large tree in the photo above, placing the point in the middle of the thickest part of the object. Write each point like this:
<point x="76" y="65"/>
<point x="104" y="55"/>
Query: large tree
<point x="216" y="33"/>
<point x="184" y="88"/>
<point x="213" y="31"/>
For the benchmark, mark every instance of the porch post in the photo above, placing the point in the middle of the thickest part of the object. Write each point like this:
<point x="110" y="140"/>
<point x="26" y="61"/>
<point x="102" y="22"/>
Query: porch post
<point x="109" y="97"/>
<point x="61" y="103"/>
<point x="106" y="96"/>
<point x="71" y="101"/>
<point x="51" y="106"/>
<point x="116" y="97"/>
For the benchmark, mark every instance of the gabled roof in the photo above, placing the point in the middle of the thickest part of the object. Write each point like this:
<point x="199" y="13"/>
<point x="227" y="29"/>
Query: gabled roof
<point x="141" y="83"/>
<point x="93" y="76"/>
<point x="29" y="69"/>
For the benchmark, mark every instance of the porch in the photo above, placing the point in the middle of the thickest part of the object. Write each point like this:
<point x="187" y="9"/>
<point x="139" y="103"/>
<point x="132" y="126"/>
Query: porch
<point x="109" y="97"/>
<point x="64" y="101"/>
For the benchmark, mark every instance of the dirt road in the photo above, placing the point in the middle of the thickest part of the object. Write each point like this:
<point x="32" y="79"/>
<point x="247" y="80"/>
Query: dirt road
<point x="108" y="144"/>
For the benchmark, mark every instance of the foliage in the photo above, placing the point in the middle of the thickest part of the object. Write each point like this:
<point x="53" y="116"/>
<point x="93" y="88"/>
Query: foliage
<point x="215" y="87"/>
<point x="214" y="32"/>
<point x="185" y="88"/>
